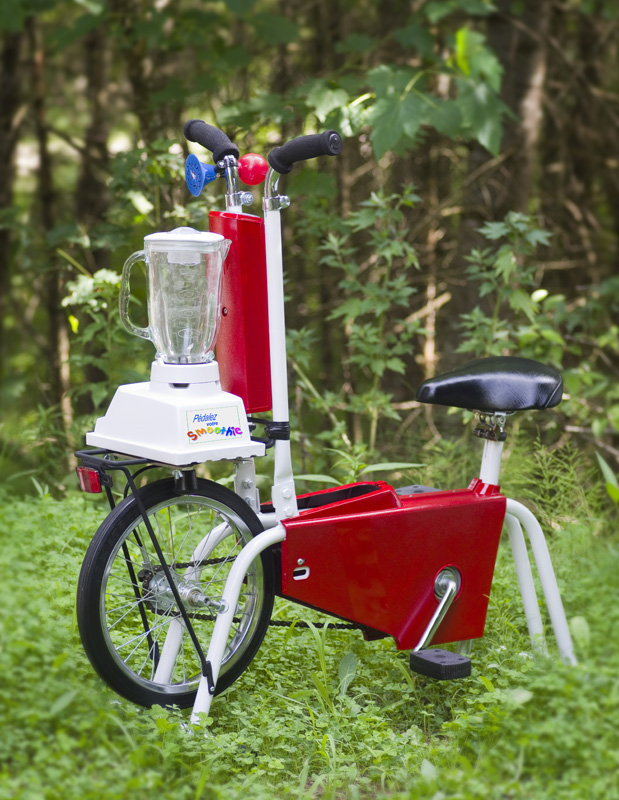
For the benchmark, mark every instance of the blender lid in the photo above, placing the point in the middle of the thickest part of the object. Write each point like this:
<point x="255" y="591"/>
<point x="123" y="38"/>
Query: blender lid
<point x="184" y="235"/>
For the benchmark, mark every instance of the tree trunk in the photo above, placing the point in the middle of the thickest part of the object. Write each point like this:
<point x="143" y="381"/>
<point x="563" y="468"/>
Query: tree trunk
<point x="57" y="388"/>
<point x="495" y="186"/>
<point x="92" y="198"/>
<point x="521" y="44"/>
<point x="91" y="194"/>
<point x="11" y="112"/>
<point x="147" y="70"/>
<point x="581" y="151"/>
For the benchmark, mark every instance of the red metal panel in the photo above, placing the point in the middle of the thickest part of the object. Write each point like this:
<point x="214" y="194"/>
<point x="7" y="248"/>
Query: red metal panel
<point x="242" y="347"/>
<point x="378" y="567"/>
<point x="382" y="496"/>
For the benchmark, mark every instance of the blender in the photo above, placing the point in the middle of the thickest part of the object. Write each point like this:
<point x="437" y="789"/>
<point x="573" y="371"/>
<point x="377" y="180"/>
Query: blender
<point x="181" y="416"/>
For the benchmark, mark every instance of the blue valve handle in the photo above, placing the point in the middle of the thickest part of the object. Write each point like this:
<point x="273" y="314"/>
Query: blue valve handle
<point x="197" y="174"/>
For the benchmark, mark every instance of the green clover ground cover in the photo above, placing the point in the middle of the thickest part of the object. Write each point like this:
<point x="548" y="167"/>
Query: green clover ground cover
<point x="318" y="714"/>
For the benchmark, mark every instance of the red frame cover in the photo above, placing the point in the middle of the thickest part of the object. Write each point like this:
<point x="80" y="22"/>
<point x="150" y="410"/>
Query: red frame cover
<point x="373" y="559"/>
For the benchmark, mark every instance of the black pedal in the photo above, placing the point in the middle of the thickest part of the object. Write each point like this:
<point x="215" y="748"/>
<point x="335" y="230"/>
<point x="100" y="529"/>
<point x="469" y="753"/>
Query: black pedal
<point x="442" y="665"/>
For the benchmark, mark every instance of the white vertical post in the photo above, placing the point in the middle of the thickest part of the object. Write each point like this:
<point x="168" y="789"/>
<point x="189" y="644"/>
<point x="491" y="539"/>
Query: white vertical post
<point x="283" y="493"/>
<point x="491" y="462"/>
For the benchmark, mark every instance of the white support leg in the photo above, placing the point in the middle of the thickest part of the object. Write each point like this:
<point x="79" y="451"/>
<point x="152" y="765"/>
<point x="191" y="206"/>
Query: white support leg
<point x="525" y="582"/>
<point x="547" y="578"/>
<point x="223" y="624"/>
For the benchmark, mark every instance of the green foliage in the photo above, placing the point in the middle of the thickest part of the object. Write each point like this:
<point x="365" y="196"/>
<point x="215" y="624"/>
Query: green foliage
<point x="409" y="87"/>
<point x="592" y="339"/>
<point x="402" y="102"/>
<point x="320" y="712"/>
<point x="610" y="480"/>
<point x="396" y="102"/>
<point x="521" y="314"/>
<point x="14" y="13"/>
<point x="100" y="341"/>
<point x="149" y="190"/>
<point x="373" y="308"/>
<point x="351" y="467"/>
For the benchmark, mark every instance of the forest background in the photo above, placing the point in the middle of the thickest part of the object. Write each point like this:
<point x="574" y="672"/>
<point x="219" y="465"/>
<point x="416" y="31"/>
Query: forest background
<point x="474" y="210"/>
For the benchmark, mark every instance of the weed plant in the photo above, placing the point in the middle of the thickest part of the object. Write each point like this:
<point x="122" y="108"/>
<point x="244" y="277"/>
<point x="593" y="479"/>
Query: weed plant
<point x="320" y="713"/>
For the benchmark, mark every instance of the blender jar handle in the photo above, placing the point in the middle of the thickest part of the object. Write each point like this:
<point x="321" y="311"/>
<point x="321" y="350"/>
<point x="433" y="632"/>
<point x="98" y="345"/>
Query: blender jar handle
<point x="125" y="296"/>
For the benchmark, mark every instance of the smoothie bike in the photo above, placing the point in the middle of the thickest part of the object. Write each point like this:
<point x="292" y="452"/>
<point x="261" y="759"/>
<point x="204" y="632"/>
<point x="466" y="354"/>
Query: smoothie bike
<point x="177" y="586"/>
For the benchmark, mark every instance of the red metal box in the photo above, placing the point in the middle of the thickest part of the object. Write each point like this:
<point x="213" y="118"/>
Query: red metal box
<point x="242" y="347"/>
<point x="377" y="566"/>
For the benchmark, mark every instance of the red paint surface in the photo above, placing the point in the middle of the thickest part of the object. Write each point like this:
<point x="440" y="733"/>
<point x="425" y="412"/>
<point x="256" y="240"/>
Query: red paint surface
<point x="242" y="347"/>
<point x="377" y="566"/>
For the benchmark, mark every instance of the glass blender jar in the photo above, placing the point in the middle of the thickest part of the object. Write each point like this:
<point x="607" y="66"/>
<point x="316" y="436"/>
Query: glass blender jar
<point x="183" y="278"/>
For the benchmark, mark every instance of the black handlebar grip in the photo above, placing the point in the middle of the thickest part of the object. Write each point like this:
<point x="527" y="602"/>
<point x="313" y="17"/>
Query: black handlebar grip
<point x="283" y="158"/>
<point x="211" y="138"/>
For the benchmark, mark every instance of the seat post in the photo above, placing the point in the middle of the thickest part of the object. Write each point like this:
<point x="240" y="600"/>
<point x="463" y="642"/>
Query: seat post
<point x="491" y="429"/>
<point x="491" y="462"/>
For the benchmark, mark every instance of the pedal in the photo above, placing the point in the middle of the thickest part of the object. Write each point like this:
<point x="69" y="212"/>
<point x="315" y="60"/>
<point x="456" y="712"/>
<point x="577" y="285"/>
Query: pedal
<point x="442" y="665"/>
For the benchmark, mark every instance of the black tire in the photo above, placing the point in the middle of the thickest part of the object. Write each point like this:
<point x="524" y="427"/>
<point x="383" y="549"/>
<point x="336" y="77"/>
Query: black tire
<point x="125" y="608"/>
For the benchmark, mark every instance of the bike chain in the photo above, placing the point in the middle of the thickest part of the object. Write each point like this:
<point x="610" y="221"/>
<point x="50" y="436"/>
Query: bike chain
<point x="340" y="626"/>
<point x="288" y="623"/>
<point x="276" y="623"/>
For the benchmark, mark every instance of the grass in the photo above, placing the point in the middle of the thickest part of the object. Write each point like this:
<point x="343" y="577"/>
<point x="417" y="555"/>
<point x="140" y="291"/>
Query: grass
<point x="319" y="714"/>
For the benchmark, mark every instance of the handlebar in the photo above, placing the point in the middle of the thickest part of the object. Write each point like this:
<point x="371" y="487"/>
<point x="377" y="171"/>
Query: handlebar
<point x="283" y="158"/>
<point x="211" y="138"/>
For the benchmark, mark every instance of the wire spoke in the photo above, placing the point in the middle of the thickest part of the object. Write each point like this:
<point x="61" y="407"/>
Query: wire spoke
<point x="199" y="539"/>
<point x="142" y="635"/>
<point x="132" y="607"/>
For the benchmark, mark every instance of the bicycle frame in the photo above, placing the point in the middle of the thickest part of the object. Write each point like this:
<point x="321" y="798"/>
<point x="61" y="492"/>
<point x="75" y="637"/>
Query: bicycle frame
<point x="414" y="564"/>
<point x="346" y="569"/>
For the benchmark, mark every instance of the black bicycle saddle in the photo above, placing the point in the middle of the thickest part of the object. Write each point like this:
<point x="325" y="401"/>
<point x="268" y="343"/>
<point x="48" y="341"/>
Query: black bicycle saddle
<point x="497" y="383"/>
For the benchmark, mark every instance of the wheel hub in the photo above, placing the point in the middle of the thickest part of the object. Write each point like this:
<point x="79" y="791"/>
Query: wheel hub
<point x="159" y="595"/>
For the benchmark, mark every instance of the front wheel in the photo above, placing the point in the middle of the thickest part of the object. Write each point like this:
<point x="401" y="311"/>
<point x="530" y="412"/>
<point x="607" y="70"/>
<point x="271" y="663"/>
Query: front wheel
<point x="129" y="622"/>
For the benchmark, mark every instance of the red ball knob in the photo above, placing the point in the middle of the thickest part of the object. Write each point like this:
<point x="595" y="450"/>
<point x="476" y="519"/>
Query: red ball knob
<point x="253" y="169"/>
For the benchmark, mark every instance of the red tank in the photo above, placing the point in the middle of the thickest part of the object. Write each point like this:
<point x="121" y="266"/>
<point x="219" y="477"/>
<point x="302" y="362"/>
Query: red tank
<point x="242" y="347"/>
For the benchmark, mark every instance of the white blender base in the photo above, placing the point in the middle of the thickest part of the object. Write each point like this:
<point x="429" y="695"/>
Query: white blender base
<point x="181" y="417"/>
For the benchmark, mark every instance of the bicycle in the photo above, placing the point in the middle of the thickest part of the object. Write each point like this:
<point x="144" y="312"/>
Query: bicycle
<point x="184" y="562"/>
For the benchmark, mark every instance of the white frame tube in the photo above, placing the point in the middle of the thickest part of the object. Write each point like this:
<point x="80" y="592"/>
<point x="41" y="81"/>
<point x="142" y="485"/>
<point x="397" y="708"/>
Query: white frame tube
<point x="223" y="624"/>
<point x="547" y="578"/>
<point x="176" y="628"/>
<point x="525" y="582"/>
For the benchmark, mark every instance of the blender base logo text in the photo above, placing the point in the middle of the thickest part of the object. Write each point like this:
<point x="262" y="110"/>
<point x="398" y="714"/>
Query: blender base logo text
<point x="230" y="431"/>
<point x="212" y="425"/>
